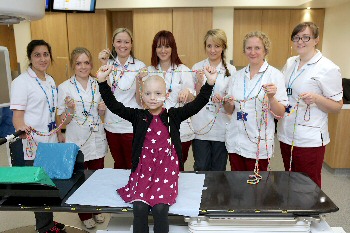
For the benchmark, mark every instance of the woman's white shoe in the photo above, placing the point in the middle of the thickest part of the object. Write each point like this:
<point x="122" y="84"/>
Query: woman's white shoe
<point x="99" y="218"/>
<point x="89" y="223"/>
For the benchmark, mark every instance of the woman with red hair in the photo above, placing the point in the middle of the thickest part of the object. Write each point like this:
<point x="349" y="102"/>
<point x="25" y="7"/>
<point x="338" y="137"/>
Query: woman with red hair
<point x="166" y="63"/>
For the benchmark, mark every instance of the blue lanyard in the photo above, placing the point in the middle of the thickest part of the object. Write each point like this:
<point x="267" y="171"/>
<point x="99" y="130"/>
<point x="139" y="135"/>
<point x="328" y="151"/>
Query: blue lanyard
<point x="51" y="109"/>
<point x="86" y="113"/>
<point x="259" y="80"/>
<point x="290" y="77"/>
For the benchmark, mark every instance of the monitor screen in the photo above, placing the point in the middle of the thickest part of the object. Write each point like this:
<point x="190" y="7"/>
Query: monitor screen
<point x="74" y="5"/>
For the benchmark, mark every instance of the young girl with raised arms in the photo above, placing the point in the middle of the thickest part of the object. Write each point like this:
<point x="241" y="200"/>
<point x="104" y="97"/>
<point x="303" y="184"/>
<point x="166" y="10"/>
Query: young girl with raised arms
<point x="156" y="148"/>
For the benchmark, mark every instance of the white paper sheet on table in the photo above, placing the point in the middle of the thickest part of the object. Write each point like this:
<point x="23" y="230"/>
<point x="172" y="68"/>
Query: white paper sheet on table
<point x="100" y="190"/>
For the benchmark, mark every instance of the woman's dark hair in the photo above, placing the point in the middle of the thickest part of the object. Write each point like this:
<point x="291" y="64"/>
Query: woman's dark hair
<point x="164" y="38"/>
<point x="302" y="26"/>
<point x="34" y="43"/>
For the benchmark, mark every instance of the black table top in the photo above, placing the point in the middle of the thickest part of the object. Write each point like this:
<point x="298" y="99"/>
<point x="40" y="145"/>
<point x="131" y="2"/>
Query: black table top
<point x="277" y="193"/>
<point x="226" y="193"/>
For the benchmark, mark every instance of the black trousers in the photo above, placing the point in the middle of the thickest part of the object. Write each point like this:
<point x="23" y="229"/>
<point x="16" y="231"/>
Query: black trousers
<point x="44" y="220"/>
<point x="160" y="217"/>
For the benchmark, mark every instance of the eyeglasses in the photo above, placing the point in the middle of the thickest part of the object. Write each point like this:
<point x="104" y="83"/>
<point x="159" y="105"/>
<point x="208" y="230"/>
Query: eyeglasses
<point x="303" y="38"/>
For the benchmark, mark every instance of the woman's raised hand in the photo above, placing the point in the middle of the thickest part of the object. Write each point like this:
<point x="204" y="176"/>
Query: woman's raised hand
<point x="211" y="74"/>
<point x="103" y="56"/>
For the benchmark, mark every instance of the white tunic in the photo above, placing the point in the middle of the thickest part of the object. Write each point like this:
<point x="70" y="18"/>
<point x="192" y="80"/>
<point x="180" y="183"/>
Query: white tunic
<point x="177" y="79"/>
<point x="320" y="76"/>
<point x="28" y="95"/>
<point x="242" y="136"/>
<point x="203" y="122"/>
<point x="93" y="144"/>
<point x="124" y="91"/>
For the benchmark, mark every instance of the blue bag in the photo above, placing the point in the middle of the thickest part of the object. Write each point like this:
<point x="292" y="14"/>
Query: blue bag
<point x="57" y="159"/>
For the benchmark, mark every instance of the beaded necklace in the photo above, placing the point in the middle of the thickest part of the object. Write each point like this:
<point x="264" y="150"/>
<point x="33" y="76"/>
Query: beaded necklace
<point x="213" y="120"/>
<point x="116" y="80"/>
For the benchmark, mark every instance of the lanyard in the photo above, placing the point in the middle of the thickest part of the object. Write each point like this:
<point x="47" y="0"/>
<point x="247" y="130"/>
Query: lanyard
<point x="259" y="80"/>
<point x="308" y="65"/>
<point x="290" y="84"/>
<point x="86" y="113"/>
<point x="51" y="109"/>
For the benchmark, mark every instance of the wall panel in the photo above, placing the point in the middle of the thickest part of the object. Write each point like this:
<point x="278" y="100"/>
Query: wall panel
<point x="146" y="23"/>
<point x="89" y="31"/>
<point x="189" y="27"/>
<point x="245" y="21"/>
<point x="274" y="24"/>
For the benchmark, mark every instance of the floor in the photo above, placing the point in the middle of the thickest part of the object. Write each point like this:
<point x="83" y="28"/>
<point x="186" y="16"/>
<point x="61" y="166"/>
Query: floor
<point x="336" y="184"/>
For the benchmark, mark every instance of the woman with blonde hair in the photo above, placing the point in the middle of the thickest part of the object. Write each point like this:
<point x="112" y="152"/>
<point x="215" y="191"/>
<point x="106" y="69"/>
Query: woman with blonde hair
<point x="209" y="124"/>
<point x="80" y="105"/>
<point x="119" y="132"/>
<point x="255" y="95"/>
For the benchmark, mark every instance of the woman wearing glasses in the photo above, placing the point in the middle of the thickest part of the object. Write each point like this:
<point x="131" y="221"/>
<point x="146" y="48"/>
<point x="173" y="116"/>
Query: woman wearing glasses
<point x="314" y="88"/>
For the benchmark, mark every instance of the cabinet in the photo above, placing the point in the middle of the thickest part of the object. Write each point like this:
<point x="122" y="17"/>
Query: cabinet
<point x="188" y="25"/>
<point x="146" y="23"/>
<point x="278" y="25"/>
<point x="337" y="151"/>
<point x="7" y="39"/>
<point x="65" y="31"/>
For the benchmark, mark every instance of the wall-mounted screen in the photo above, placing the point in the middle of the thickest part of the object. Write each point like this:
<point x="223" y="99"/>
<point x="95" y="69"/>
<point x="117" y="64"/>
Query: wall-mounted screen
<point x="84" y="6"/>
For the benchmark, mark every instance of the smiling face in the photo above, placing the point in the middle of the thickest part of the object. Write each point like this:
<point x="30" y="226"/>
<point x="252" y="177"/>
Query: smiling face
<point x="153" y="94"/>
<point x="213" y="50"/>
<point x="163" y="51"/>
<point x="303" y="47"/>
<point x="255" y="51"/>
<point x="40" y="59"/>
<point x="122" y="44"/>
<point x="83" y="66"/>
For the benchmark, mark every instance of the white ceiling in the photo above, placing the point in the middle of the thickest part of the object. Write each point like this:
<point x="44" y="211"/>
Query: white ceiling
<point x="129" y="4"/>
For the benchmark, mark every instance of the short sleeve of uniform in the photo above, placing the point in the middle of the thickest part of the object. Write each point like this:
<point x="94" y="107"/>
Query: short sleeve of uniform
<point x="331" y="84"/>
<point x="19" y="94"/>
<point x="230" y="91"/>
<point x="61" y="97"/>
<point x="281" y="94"/>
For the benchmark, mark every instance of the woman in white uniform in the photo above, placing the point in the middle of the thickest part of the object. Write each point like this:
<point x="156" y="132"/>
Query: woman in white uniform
<point x="255" y="95"/>
<point x="80" y="105"/>
<point x="166" y="63"/>
<point x="209" y="125"/>
<point x="314" y="88"/>
<point x="119" y="132"/>
<point x="33" y="102"/>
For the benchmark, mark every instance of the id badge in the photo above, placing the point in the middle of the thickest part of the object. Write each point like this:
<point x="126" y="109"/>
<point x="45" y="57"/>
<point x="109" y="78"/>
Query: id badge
<point x="93" y="127"/>
<point x="210" y="107"/>
<point x="51" y="126"/>
<point x="289" y="91"/>
<point x="242" y="116"/>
